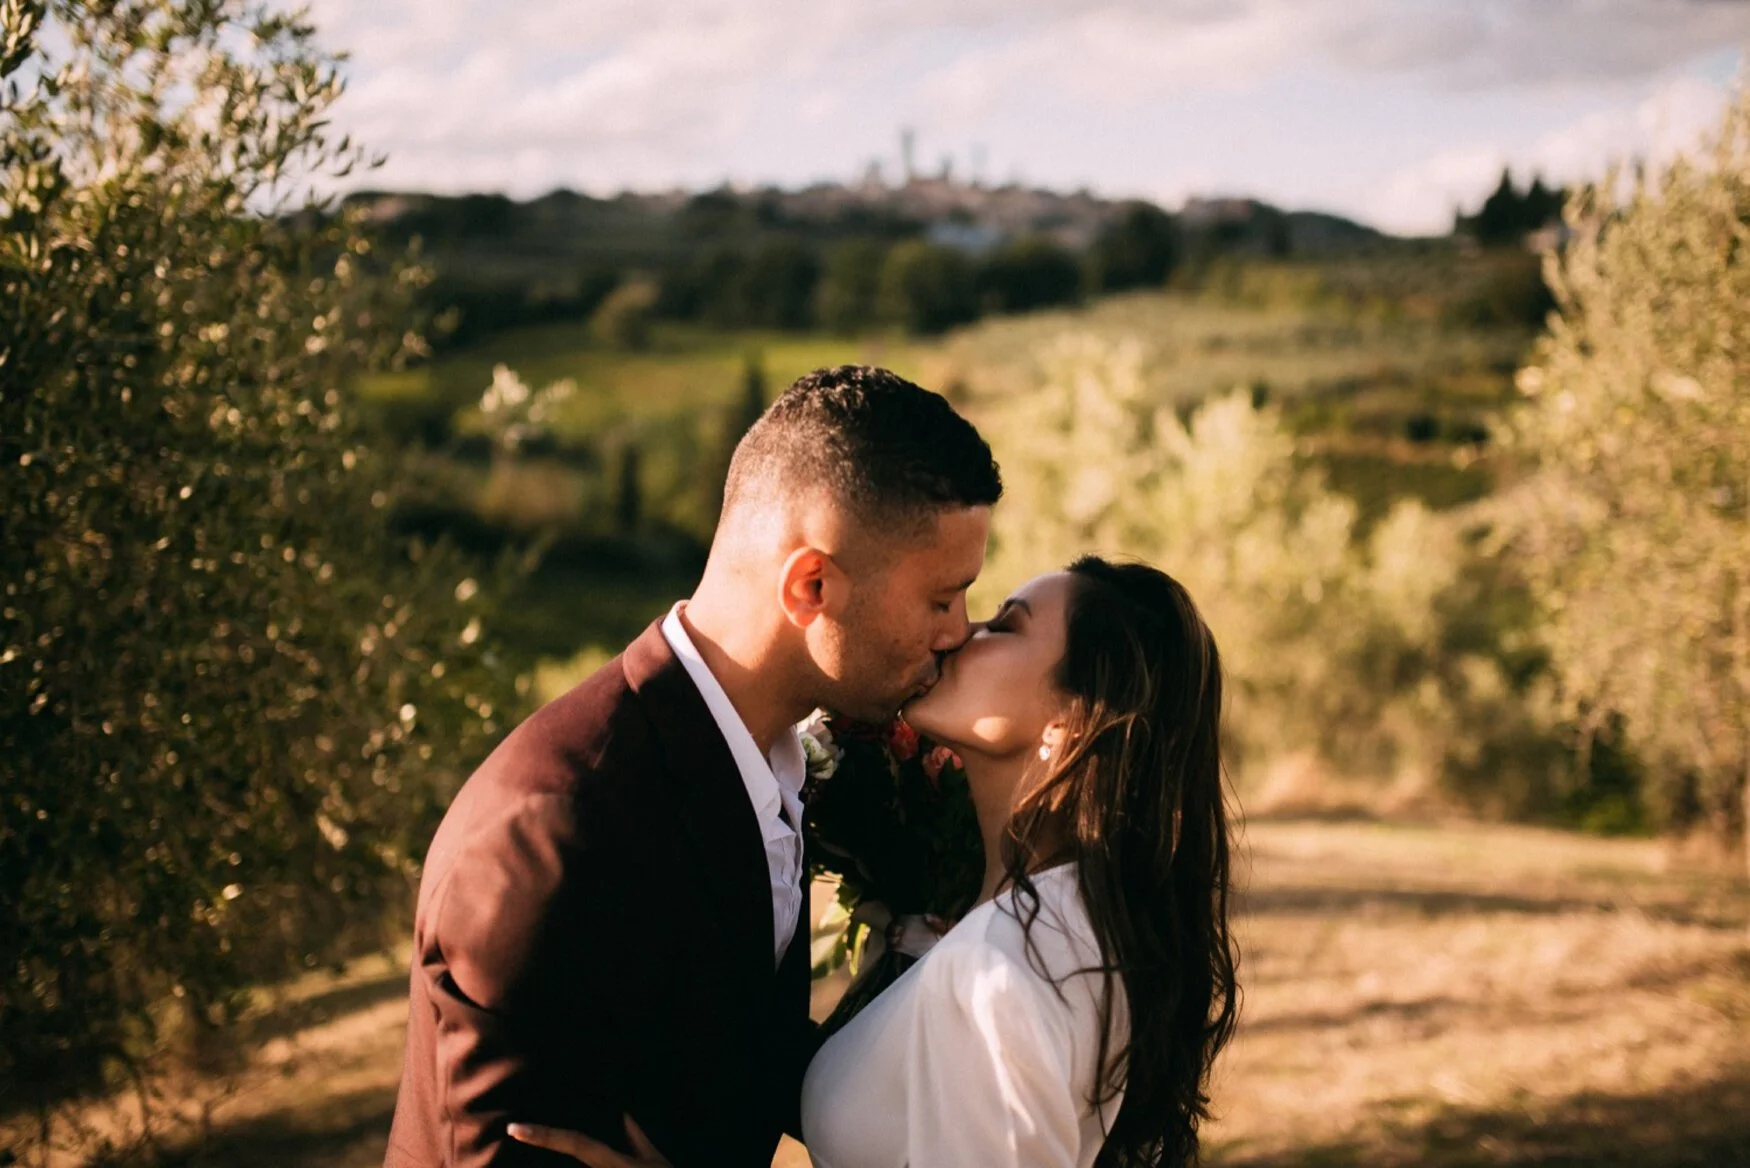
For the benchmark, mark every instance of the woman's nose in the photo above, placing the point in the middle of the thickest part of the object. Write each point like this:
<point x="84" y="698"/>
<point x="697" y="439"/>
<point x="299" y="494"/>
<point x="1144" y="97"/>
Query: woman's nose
<point x="970" y="630"/>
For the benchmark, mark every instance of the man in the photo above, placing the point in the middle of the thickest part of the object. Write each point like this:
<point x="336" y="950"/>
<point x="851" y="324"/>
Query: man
<point x="612" y="918"/>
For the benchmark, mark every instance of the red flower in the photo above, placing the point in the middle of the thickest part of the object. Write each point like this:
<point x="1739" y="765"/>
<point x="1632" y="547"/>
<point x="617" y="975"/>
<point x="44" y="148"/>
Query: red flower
<point x="939" y="759"/>
<point x="902" y="740"/>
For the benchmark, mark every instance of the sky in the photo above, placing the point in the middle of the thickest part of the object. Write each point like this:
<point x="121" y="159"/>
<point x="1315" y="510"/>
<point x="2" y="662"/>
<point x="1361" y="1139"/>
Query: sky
<point x="1393" y="112"/>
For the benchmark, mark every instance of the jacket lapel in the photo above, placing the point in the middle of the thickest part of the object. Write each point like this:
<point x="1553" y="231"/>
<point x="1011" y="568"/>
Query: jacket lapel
<point x="715" y="813"/>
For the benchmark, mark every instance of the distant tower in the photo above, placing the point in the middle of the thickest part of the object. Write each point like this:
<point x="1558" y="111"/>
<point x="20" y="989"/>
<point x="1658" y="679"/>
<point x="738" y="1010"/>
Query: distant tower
<point x="947" y="170"/>
<point x="908" y="151"/>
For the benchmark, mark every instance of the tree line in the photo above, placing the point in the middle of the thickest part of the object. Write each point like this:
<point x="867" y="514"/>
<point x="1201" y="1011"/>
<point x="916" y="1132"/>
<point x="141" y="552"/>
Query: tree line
<point x="738" y="275"/>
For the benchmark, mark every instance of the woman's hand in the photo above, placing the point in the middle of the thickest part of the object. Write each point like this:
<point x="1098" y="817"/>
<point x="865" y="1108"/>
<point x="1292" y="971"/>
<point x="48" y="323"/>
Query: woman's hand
<point x="592" y="1152"/>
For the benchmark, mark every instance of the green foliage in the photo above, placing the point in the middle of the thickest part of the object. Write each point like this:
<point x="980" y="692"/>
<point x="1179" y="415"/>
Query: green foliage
<point x="1513" y="295"/>
<point x="629" y="496"/>
<point x="1635" y="529"/>
<point x="1363" y="650"/>
<point x="771" y="286"/>
<point x="705" y="288"/>
<point x="848" y="299"/>
<point x="623" y="319"/>
<point x="778" y="288"/>
<point x="1506" y="216"/>
<point x="738" y="419"/>
<point x="1138" y="250"/>
<point x="1027" y="274"/>
<point x="230" y="711"/>
<point x="927" y="288"/>
<point x="471" y="306"/>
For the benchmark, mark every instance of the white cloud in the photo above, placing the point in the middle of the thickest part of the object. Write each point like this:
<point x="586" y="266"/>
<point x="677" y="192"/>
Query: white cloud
<point x="465" y="94"/>
<point x="1676" y="118"/>
<point x="1134" y="52"/>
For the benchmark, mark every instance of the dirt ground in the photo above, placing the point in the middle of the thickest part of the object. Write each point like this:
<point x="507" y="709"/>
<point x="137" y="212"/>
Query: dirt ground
<point x="1414" y="995"/>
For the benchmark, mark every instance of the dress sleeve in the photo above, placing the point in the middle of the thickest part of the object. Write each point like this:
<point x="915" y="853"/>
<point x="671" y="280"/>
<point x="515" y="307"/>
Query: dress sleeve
<point x="989" y="1066"/>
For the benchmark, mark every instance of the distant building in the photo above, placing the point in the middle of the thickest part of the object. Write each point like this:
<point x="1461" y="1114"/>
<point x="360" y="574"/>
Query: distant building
<point x="972" y="238"/>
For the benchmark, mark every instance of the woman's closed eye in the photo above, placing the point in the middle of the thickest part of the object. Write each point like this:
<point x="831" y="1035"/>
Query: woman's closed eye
<point x="1005" y="620"/>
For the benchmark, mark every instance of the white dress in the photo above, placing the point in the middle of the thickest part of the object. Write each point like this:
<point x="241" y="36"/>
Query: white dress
<point x="971" y="1059"/>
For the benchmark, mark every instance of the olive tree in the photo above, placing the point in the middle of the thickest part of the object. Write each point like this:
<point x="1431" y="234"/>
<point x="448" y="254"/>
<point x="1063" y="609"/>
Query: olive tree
<point x="1635" y="527"/>
<point x="1361" y="650"/>
<point x="231" y="707"/>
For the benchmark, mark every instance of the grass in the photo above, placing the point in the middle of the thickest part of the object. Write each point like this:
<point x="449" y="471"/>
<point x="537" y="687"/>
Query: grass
<point x="686" y="370"/>
<point x="1443" y="995"/>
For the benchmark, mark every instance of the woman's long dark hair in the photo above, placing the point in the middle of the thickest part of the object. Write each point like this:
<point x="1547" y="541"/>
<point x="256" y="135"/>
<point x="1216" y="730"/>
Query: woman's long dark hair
<point x="1136" y="798"/>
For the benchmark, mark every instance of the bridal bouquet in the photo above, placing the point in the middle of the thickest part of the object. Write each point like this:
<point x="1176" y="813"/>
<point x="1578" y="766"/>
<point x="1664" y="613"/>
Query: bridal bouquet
<point x="889" y="816"/>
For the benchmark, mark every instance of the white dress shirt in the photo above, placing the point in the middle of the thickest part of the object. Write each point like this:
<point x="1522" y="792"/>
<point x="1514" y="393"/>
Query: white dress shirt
<point x="773" y="782"/>
<point x="971" y="1057"/>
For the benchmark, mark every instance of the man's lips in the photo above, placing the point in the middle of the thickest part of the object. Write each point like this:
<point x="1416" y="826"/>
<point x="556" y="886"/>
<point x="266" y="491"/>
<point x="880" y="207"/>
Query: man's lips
<point x="929" y="680"/>
<point x="938" y="670"/>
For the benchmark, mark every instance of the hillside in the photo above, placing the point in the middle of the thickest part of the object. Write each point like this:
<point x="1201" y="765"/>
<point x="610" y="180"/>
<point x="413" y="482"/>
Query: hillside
<point x="827" y="256"/>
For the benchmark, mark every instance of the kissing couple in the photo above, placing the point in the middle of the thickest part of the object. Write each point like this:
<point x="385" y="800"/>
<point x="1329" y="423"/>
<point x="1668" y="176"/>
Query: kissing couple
<point x="611" y="948"/>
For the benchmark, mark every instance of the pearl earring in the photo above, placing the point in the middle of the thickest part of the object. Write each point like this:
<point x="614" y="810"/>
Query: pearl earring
<point x="1044" y="751"/>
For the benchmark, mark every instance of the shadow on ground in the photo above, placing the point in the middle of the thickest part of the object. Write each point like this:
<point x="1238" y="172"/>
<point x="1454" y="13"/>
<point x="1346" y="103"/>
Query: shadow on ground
<point x="1359" y="902"/>
<point x="292" y="1016"/>
<point x="1702" y="1125"/>
<point x="347" y="1131"/>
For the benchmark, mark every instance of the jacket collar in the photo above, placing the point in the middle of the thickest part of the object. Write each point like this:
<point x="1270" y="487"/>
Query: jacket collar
<point x="715" y="813"/>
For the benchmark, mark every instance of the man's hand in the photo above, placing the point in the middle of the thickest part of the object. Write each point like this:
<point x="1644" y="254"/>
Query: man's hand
<point x="592" y="1152"/>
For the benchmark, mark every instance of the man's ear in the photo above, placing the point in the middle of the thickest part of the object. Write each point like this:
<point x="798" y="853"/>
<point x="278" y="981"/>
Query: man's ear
<point x="810" y="586"/>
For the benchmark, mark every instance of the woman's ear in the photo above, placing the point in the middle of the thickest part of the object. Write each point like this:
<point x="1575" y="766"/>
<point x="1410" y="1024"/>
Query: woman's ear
<point x="1052" y="741"/>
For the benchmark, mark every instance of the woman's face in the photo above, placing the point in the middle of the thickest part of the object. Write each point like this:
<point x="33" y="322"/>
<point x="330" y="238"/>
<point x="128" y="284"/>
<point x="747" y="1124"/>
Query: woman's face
<point x="998" y="692"/>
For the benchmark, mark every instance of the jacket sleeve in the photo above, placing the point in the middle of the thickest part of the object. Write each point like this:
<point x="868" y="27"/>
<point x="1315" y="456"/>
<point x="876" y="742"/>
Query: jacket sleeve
<point x="503" y="953"/>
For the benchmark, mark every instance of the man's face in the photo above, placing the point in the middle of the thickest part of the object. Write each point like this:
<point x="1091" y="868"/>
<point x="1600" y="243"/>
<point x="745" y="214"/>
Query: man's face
<point x="882" y="651"/>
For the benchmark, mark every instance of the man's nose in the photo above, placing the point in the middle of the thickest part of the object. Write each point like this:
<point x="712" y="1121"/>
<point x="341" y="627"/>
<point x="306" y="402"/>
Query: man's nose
<point x="957" y="632"/>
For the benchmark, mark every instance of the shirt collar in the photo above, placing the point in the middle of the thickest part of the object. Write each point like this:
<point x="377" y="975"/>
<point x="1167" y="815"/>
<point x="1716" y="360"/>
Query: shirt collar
<point x="773" y="780"/>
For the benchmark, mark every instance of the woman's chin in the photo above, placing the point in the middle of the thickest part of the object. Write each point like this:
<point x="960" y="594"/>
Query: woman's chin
<point x="916" y="714"/>
<point x="928" y="724"/>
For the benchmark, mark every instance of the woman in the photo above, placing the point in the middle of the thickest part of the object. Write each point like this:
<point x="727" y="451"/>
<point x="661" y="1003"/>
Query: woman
<point x="1073" y="1016"/>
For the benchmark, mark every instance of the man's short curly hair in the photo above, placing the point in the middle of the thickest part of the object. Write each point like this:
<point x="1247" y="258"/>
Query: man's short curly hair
<point x="889" y="451"/>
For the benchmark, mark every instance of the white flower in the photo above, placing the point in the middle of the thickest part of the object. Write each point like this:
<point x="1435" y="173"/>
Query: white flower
<point x="507" y="391"/>
<point x="821" y="761"/>
<point x="820" y="756"/>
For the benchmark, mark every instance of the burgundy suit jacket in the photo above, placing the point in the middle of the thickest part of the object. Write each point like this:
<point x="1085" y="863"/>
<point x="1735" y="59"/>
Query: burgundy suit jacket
<point x="594" y="937"/>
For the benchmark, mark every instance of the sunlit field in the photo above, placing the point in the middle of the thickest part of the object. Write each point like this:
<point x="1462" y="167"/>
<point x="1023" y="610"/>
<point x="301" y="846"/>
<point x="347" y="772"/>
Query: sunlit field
<point x="1449" y="994"/>
<point x="1480" y="995"/>
<point x="685" y="369"/>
